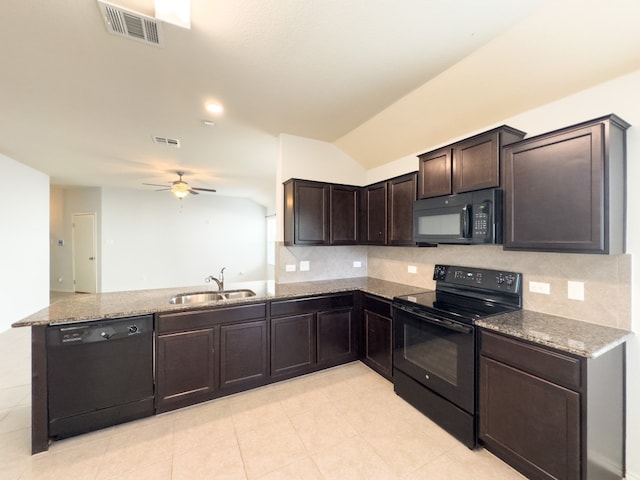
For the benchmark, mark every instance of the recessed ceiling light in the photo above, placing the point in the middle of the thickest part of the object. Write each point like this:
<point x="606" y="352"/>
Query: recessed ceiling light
<point x="214" y="108"/>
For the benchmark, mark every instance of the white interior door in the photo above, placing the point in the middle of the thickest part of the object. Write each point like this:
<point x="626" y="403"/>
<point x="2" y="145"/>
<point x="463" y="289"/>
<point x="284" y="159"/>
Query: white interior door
<point x="84" y="252"/>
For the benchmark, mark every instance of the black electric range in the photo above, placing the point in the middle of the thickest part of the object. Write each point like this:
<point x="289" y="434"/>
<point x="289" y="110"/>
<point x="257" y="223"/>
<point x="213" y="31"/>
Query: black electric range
<point x="434" y="357"/>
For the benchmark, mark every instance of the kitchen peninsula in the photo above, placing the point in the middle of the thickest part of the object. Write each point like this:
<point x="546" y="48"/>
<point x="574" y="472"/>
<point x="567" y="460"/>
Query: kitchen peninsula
<point x="335" y="319"/>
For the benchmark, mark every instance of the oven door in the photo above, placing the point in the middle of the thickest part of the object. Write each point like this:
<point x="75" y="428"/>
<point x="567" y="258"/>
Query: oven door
<point x="436" y="352"/>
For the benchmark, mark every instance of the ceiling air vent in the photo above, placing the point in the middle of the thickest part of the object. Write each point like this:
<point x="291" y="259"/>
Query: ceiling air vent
<point x="133" y="25"/>
<point x="171" y="142"/>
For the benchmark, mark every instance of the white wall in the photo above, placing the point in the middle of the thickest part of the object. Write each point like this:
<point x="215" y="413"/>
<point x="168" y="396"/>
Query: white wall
<point x="153" y="240"/>
<point x="24" y="243"/>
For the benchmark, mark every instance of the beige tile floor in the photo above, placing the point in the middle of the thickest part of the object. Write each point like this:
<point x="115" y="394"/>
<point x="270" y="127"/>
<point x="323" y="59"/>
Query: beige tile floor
<point x="339" y="424"/>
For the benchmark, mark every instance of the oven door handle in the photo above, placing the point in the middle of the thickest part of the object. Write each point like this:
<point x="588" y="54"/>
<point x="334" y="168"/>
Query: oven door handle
<point x="448" y="324"/>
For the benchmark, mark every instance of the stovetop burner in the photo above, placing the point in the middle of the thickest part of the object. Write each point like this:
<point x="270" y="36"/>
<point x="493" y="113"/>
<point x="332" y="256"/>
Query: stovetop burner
<point x="466" y="294"/>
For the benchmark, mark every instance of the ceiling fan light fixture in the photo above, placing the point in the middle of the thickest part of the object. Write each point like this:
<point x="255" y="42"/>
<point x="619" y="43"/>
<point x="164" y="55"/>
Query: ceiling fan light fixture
<point x="176" y="12"/>
<point x="180" y="189"/>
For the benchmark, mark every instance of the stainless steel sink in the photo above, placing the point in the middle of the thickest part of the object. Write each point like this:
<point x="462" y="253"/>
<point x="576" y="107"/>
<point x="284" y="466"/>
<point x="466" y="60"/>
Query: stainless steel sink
<point x="242" y="293"/>
<point x="202" y="297"/>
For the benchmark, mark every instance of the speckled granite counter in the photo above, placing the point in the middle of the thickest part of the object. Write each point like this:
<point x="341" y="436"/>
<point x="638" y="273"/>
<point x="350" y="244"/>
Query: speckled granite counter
<point x="138" y="302"/>
<point x="573" y="336"/>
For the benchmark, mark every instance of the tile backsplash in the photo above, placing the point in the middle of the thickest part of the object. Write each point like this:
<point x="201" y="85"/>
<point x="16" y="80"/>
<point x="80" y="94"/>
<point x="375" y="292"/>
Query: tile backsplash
<point x="606" y="278"/>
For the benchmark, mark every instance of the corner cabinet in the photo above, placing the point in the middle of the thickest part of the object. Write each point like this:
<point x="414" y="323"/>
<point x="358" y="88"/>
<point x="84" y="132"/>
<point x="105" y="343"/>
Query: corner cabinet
<point x="387" y="211"/>
<point x="564" y="191"/>
<point x="309" y="334"/>
<point x="549" y="414"/>
<point x="378" y="334"/>
<point x="471" y="164"/>
<point x="318" y="213"/>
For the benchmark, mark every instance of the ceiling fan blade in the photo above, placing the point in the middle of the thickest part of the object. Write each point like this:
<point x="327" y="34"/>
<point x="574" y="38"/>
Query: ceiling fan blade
<point x="154" y="185"/>
<point x="191" y="191"/>
<point x="162" y="189"/>
<point x="203" y="189"/>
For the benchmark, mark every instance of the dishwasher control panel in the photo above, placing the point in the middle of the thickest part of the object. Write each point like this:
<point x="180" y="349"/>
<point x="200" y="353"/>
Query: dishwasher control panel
<point x="99" y="330"/>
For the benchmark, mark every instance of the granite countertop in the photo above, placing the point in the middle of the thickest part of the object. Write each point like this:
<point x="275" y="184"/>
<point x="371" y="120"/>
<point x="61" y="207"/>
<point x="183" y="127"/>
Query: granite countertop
<point x="573" y="336"/>
<point x="84" y="307"/>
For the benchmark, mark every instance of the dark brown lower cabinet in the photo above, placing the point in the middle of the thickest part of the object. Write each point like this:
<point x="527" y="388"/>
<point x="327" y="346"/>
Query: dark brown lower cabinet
<point x="308" y="334"/>
<point x="549" y="414"/>
<point x="378" y="329"/>
<point x="203" y="354"/>
<point x="292" y="344"/>
<point x="335" y="337"/>
<point x="243" y="355"/>
<point x="185" y="368"/>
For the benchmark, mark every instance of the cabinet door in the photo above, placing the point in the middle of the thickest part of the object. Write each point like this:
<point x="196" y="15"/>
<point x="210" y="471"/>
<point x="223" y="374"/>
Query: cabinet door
<point x="476" y="163"/>
<point x="555" y="192"/>
<point x="306" y="212"/>
<point x="243" y="355"/>
<point x="434" y="175"/>
<point x="402" y="195"/>
<point x="374" y="208"/>
<point x="343" y="222"/>
<point x="335" y="336"/>
<point x="378" y="347"/>
<point x="293" y="346"/>
<point x="531" y="423"/>
<point x="185" y="368"/>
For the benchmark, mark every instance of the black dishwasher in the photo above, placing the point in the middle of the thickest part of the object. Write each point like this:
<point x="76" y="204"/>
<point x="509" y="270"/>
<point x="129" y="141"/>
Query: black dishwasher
<point x="100" y="373"/>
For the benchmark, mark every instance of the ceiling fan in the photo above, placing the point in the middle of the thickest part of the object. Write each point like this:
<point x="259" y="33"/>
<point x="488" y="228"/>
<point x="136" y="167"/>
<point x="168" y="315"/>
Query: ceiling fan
<point x="180" y="188"/>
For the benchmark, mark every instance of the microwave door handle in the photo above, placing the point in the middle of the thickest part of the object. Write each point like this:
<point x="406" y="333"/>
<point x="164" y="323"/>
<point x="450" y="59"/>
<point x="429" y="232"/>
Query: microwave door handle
<point x="466" y="221"/>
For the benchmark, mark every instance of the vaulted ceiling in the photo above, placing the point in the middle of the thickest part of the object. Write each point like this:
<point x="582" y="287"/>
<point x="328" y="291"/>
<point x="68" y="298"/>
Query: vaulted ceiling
<point x="83" y="105"/>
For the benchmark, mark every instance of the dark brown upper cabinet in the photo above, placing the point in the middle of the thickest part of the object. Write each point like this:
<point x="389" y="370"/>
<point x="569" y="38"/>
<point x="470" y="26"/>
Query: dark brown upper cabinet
<point x="434" y="178"/>
<point x="565" y="190"/>
<point x="401" y="196"/>
<point x="306" y="212"/>
<point x="387" y="211"/>
<point x="343" y="216"/>
<point x="467" y="165"/>
<point x="319" y="213"/>
<point x="374" y="214"/>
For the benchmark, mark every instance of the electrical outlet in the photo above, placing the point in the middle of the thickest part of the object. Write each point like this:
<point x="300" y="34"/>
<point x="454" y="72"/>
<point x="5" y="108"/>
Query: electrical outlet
<point x="575" y="290"/>
<point x="357" y="264"/>
<point x="540" y="287"/>
<point x="305" y="266"/>
<point x="290" y="267"/>
<point x="412" y="269"/>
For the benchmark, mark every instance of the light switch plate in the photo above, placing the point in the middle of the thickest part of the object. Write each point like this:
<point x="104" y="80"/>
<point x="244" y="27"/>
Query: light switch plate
<point x="412" y="269"/>
<point x="357" y="264"/>
<point x="290" y="267"/>
<point x="305" y="266"/>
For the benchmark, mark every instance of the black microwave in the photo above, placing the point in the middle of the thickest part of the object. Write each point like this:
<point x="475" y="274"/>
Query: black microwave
<point x="463" y="218"/>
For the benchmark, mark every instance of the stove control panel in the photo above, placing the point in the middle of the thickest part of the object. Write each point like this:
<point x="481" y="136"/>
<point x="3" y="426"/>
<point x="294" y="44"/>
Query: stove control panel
<point x="479" y="277"/>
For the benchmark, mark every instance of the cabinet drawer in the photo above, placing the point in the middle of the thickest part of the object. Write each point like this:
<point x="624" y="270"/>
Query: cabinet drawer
<point x="377" y="305"/>
<point x="545" y="363"/>
<point x="192" y="320"/>
<point x="311" y="304"/>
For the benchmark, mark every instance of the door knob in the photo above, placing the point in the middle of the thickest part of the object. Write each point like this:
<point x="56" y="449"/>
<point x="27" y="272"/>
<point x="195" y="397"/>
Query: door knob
<point x="92" y="258"/>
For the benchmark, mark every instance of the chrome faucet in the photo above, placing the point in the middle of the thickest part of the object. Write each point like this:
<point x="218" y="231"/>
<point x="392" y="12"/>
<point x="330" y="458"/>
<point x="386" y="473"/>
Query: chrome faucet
<point x="219" y="282"/>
